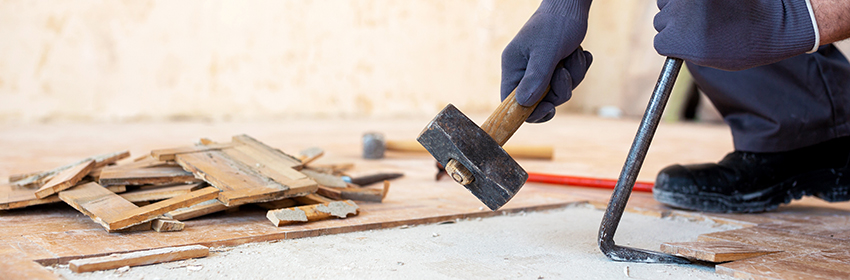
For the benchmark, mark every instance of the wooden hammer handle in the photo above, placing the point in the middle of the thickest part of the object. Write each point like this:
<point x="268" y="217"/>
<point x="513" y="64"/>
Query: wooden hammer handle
<point x="507" y="118"/>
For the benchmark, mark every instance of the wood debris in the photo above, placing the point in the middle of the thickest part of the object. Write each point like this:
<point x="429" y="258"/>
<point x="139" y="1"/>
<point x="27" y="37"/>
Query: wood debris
<point x="161" y="190"/>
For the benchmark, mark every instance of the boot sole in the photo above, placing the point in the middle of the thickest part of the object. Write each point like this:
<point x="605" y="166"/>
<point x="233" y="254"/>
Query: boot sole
<point x="832" y="185"/>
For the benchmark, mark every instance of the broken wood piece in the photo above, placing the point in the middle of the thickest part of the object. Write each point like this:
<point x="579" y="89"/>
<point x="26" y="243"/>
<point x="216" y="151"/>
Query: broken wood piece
<point x="315" y="212"/>
<point x="65" y="179"/>
<point x="171" y="154"/>
<point x="160" y="193"/>
<point x="197" y="210"/>
<point x="115" y="213"/>
<point x="167" y="225"/>
<point x="146" y="162"/>
<point x="715" y="251"/>
<point x="310" y="154"/>
<point x="139" y="258"/>
<point x="36" y="179"/>
<point x="145" y="176"/>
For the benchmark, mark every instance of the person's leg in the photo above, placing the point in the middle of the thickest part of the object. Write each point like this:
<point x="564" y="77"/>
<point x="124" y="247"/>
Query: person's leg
<point x="790" y="122"/>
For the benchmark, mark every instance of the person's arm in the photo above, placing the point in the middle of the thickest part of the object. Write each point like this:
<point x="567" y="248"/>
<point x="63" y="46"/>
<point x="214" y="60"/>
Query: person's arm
<point x="833" y="20"/>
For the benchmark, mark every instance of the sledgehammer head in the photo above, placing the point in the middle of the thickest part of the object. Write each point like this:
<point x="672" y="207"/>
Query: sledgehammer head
<point x="497" y="176"/>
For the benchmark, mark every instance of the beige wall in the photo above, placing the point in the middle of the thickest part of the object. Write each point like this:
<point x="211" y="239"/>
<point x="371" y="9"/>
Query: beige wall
<point x="219" y="60"/>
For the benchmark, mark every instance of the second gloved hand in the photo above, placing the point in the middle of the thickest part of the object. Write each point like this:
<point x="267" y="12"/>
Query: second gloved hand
<point x="734" y="34"/>
<point x="539" y="53"/>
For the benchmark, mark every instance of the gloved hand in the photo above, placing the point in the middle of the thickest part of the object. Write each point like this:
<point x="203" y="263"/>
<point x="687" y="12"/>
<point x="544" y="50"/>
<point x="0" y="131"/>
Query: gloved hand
<point x="733" y="34"/>
<point x="543" y="53"/>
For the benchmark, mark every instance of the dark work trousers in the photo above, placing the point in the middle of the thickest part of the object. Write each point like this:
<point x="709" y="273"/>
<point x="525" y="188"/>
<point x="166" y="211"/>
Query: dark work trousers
<point x="797" y="102"/>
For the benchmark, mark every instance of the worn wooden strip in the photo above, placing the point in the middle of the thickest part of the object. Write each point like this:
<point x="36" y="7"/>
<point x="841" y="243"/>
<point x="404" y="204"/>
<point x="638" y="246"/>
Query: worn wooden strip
<point x="139" y="258"/>
<point x="101" y="205"/>
<point x="715" y="251"/>
<point x="359" y="194"/>
<point x="197" y="210"/>
<point x="315" y="212"/>
<point x="34" y="180"/>
<point x="170" y="154"/>
<point x="15" y="198"/>
<point x="145" y="176"/>
<point x="167" y="225"/>
<point x="160" y="193"/>
<point x="65" y="179"/>
<point x="152" y="211"/>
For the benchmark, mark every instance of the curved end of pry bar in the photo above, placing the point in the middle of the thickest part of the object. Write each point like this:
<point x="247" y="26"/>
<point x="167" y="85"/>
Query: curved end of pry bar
<point x="629" y="254"/>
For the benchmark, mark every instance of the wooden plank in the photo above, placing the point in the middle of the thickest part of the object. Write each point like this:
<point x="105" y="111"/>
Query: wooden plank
<point x="139" y="258"/>
<point x="152" y="211"/>
<point x="171" y="154"/>
<point x="326" y="180"/>
<point x="115" y="213"/>
<point x="781" y="266"/>
<point x="313" y="199"/>
<point x="314" y="212"/>
<point x="167" y="225"/>
<point x="146" y="161"/>
<point x="772" y="239"/>
<point x="239" y="183"/>
<point x="65" y="179"/>
<point x="160" y="193"/>
<point x="197" y="210"/>
<point x="101" y="205"/>
<point x="715" y="251"/>
<point x="145" y="176"/>
<point x="16" y="198"/>
<point x="34" y="180"/>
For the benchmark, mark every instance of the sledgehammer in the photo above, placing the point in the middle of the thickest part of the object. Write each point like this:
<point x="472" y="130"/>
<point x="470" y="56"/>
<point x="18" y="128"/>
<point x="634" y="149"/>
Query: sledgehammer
<point x="473" y="155"/>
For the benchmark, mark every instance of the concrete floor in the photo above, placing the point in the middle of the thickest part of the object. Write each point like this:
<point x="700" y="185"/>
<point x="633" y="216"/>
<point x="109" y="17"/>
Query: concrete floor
<point x="557" y="244"/>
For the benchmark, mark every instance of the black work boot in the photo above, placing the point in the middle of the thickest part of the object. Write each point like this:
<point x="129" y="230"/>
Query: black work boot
<point x="756" y="182"/>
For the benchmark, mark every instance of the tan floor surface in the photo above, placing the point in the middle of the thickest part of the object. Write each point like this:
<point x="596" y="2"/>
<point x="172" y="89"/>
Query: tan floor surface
<point x="585" y="146"/>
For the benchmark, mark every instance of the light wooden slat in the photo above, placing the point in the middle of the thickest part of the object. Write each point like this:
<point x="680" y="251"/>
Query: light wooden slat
<point x="15" y="197"/>
<point x="65" y="179"/>
<point x="197" y="210"/>
<point x="308" y="155"/>
<point x="715" y="251"/>
<point x="145" y="176"/>
<point x="101" y="205"/>
<point x="160" y="193"/>
<point x="170" y="154"/>
<point x="152" y="211"/>
<point x="139" y="258"/>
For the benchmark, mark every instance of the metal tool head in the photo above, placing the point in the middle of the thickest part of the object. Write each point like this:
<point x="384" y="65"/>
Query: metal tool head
<point x="451" y="135"/>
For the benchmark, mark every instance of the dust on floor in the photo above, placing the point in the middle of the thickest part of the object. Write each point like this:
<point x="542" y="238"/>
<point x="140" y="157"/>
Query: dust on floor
<point x="557" y="244"/>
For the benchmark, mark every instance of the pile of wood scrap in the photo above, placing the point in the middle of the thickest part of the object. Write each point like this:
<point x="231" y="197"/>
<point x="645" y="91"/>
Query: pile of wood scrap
<point x="160" y="190"/>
